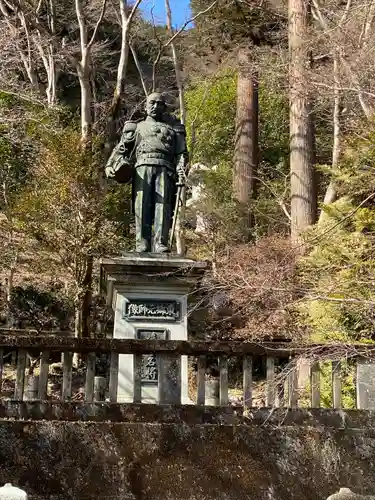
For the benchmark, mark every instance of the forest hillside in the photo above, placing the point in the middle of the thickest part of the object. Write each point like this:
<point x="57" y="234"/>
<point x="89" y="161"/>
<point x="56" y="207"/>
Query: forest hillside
<point x="278" y="101"/>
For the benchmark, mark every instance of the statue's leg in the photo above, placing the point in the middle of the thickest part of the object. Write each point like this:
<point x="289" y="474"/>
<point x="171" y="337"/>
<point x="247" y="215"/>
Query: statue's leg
<point x="143" y="208"/>
<point x="163" y="209"/>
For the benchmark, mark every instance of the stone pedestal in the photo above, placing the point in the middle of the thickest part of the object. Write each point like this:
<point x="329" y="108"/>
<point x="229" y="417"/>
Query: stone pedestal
<point x="149" y="296"/>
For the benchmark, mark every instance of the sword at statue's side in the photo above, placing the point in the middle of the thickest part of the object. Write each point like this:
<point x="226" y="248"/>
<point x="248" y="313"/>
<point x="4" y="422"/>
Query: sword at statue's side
<point x="179" y="202"/>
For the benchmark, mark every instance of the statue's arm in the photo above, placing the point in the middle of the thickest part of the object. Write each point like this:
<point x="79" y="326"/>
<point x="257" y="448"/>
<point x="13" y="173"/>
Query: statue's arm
<point x="112" y="162"/>
<point x="122" y="154"/>
<point x="128" y="140"/>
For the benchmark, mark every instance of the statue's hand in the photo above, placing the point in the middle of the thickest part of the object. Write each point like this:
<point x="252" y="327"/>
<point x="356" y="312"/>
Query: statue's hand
<point x="119" y="168"/>
<point x="181" y="177"/>
<point x="109" y="172"/>
<point x="180" y="169"/>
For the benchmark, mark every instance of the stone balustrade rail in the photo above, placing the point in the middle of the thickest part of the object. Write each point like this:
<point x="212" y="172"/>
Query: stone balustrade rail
<point x="34" y="356"/>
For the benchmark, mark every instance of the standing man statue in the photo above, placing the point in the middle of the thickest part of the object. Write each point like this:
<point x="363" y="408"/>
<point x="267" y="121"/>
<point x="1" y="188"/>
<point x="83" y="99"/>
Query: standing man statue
<point x="153" y="154"/>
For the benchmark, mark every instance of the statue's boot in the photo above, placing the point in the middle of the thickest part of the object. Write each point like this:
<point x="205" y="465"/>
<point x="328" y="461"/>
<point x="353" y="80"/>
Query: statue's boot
<point x="161" y="249"/>
<point x="143" y="246"/>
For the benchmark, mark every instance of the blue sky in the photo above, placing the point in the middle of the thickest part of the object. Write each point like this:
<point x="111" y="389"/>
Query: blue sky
<point x="180" y="11"/>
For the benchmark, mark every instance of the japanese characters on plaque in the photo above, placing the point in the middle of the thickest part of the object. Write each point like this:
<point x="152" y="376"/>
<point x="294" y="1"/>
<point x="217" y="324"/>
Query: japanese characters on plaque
<point x="149" y="370"/>
<point x="152" y="310"/>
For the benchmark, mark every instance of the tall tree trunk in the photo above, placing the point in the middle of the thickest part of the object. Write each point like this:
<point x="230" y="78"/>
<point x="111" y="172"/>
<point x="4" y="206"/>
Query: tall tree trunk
<point x="180" y="236"/>
<point x="84" y="69"/>
<point x="87" y="299"/>
<point x="126" y="21"/>
<point x="86" y="107"/>
<point x="331" y="193"/>
<point x="302" y="176"/>
<point x="246" y="137"/>
<point x="9" y="281"/>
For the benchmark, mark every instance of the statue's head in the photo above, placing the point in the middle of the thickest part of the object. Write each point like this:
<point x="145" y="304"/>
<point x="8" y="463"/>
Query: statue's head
<point x="156" y="105"/>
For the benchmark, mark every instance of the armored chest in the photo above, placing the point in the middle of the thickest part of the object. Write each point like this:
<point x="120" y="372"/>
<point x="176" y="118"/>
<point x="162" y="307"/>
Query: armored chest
<point x="155" y="137"/>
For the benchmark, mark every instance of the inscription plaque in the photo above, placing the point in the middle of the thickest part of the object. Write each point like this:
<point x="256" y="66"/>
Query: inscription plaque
<point x="149" y="370"/>
<point x="152" y="310"/>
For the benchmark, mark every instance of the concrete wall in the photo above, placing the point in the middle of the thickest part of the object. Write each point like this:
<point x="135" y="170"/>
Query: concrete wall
<point x="158" y="453"/>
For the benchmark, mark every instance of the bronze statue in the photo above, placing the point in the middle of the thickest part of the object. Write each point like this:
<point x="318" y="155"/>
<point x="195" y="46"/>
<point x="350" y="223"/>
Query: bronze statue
<point x="152" y="153"/>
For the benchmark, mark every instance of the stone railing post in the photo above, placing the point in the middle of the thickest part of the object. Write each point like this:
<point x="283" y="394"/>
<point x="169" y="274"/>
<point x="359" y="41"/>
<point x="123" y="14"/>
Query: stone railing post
<point x="169" y="384"/>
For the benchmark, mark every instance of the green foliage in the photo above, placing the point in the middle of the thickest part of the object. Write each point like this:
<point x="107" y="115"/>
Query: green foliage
<point x="211" y="107"/>
<point x="348" y="392"/>
<point x="338" y="273"/>
<point x="31" y="307"/>
<point x="356" y="174"/>
<point x="65" y="210"/>
<point x="7" y="100"/>
<point x="273" y="129"/>
<point x="273" y="169"/>
<point x="17" y="154"/>
<point x="218" y="183"/>
<point x="13" y="170"/>
<point x="223" y="216"/>
<point x="211" y="119"/>
<point x="117" y="207"/>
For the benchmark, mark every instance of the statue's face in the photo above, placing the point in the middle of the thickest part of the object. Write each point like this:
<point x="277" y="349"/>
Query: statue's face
<point x="155" y="106"/>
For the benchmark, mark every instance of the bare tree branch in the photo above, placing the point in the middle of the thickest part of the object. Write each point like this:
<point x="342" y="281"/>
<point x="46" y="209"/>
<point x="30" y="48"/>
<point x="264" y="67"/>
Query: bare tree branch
<point x="133" y="11"/>
<point x="173" y="38"/>
<point x="138" y="66"/>
<point x="200" y="13"/>
<point x="176" y="63"/>
<point x="360" y="92"/>
<point x="98" y="23"/>
<point x="82" y="26"/>
<point x="330" y="195"/>
<point x="367" y="24"/>
<point x="279" y="200"/>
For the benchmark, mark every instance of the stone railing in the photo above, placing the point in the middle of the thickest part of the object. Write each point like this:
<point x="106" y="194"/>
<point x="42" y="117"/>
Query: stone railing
<point x="44" y="370"/>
